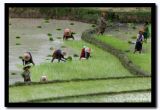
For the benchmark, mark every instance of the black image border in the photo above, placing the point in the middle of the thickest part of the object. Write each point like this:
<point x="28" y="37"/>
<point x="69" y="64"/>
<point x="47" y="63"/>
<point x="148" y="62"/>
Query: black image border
<point x="153" y="103"/>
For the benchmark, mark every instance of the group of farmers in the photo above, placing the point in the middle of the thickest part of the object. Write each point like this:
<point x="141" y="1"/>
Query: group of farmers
<point x="85" y="52"/>
<point x="57" y="54"/>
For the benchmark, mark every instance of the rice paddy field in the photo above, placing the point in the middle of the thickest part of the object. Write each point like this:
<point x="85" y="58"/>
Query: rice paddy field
<point x="101" y="78"/>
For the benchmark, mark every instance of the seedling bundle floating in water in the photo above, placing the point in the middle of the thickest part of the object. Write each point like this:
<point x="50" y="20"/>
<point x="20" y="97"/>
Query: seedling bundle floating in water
<point x="50" y="38"/>
<point x="18" y="37"/>
<point x="18" y="44"/>
<point x="59" y="38"/>
<point x="71" y="23"/>
<point x="39" y="26"/>
<point x="49" y="34"/>
<point x="58" y="29"/>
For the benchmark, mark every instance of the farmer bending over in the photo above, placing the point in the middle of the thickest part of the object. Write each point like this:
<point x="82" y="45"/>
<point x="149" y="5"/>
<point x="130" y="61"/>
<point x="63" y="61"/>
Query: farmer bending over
<point x="27" y="58"/>
<point x="67" y="34"/>
<point x="139" y="42"/>
<point x="58" y="54"/>
<point x="85" y="52"/>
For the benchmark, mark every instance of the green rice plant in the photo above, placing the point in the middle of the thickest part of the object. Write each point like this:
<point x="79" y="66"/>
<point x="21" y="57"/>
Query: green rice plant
<point x="71" y="23"/>
<point x="75" y="55"/>
<point x="18" y="37"/>
<point x="39" y="26"/>
<point x="46" y="21"/>
<point x="58" y="29"/>
<point x="13" y="73"/>
<point x="93" y="25"/>
<point x="20" y="57"/>
<point x="49" y="55"/>
<point x="103" y="61"/>
<point x="49" y="34"/>
<point x="59" y="37"/>
<point x="134" y="37"/>
<point x="73" y="33"/>
<point x="55" y="90"/>
<point x="51" y="48"/>
<point x="142" y="60"/>
<point x="18" y="43"/>
<point x="63" y="46"/>
<point x="51" y="38"/>
<point x="69" y="58"/>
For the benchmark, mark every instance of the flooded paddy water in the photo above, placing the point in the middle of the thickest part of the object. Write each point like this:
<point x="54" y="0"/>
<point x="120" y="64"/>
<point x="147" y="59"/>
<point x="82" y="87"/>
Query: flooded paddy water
<point x="32" y="35"/>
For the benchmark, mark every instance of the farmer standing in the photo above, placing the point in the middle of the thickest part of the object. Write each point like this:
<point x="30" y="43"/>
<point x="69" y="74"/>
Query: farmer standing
<point x="102" y="24"/>
<point x="58" y="54"/>
<point x="139" y="42"/>
<point x="27" y="58"/>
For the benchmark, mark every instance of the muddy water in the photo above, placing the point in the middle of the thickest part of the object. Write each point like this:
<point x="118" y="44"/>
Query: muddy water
<point x="36" y="41"/>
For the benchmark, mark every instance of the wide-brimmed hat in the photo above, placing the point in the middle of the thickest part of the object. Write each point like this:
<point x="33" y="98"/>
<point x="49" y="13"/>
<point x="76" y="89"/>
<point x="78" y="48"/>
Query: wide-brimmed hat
<point x="26" y="56"/>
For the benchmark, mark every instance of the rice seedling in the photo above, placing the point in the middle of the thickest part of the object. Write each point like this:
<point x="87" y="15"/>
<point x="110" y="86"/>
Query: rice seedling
<point x="93" y="25"/>
<point x="71" y="23"/>
<point x="75" y="55"/>
<point x="20" y="57"/>
<point x="46" y="21"/>
<point x="69" y="58"/>
<point x="13" y="73"/>
<point x="134" y="37"/>
<point x="73" y="33"/>
<point x="51" y="48"/>
<point x="49" y="34"/>
<point x="49" y="55"/>
<point x="51" y="39"/>
<point x="39" y="26"/>
<point x="59" y="37"/>
<point x="58" y="29"/>
<point x="18" y="44"/>
<point x="18" y="37"/>
<point x="63" y="46"/>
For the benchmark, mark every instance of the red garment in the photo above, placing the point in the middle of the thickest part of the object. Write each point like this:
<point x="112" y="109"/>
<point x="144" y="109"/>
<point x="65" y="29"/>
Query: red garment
<point x="82" y="53"/>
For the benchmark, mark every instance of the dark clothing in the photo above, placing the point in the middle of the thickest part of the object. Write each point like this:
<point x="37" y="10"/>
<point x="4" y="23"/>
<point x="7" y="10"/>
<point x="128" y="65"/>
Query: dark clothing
<point x="67" y="37"/>
<point x="58" y="55"/>
<point x="82" y="53"/>
<point x="87" y="55"/>
<point x="138" y="45"/>
<point x="26" y="76"/>
<point x="146" y="32"/>
<point x="30" y="61"/>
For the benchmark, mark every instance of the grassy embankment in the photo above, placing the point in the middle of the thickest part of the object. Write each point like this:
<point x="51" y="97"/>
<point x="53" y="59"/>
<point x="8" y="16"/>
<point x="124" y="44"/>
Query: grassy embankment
<point x="142" y="60"/>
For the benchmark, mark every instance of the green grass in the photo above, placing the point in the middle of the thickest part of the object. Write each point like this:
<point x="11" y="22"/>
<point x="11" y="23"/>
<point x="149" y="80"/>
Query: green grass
<point x="102" y="64"/>
<point x="125" y="97"/>
<point x="32" y="92"/>
<point x="142" y="60"/>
